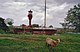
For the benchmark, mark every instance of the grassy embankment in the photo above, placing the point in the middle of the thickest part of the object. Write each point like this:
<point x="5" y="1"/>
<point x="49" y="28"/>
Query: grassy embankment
<point x="36" y="43"/>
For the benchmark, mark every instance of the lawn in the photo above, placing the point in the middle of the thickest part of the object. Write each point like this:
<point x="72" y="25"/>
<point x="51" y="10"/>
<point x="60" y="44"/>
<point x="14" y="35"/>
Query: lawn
<point x="36" y="43"/>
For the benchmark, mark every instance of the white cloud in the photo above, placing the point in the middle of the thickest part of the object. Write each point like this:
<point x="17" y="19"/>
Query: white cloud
<point x="18" y="10"/>
<point x="58" y="8"/>
<point x="15" y="5"/>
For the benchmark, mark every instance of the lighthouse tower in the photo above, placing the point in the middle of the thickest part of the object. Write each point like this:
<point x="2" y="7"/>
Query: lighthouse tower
<point x="30" y="17"/>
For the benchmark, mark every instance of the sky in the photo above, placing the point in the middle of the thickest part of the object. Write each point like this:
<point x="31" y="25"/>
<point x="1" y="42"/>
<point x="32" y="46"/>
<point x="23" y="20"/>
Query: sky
<point x="18" y="11"/>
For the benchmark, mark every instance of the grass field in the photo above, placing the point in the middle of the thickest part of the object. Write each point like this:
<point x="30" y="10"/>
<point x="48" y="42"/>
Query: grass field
<point x="36" y="43"/>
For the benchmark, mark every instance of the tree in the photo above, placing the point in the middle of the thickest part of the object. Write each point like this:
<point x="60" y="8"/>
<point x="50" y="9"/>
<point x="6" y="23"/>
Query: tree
<point x="35" y="25"/>
<point x="64" y="25"/>
<point x="3" y="26"/>
<point x="22" y="25"/>
<point x="9" y="21"/>
<point x="50" y="26"/>
<point x="73" y="17"/>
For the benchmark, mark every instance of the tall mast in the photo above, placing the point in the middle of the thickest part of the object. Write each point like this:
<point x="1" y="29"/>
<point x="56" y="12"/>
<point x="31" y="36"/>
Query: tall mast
<point x="45" y="15"/>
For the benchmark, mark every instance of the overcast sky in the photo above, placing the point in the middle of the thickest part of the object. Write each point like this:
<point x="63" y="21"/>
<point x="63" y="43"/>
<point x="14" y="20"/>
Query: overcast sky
<point x="18" y="10"/>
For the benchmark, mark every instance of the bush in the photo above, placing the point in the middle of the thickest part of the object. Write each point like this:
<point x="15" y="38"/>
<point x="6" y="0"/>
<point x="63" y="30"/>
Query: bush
<point x="2" y="31"/>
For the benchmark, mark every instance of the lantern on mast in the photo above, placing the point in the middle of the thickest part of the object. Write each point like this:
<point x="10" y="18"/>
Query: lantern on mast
<point x="30" y="17"/>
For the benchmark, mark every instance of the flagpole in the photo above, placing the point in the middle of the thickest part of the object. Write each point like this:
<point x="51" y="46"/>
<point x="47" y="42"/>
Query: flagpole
<point x="45" y="15"/>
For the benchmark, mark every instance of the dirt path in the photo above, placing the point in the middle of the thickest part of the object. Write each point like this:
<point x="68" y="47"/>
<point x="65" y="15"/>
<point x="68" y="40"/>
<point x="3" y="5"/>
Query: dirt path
<point x="17" y="39"/>
<point x="9" y="38"/>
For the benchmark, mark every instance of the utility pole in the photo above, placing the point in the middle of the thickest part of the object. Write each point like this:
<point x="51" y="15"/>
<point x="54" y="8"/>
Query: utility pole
<point x="45" y="15"/>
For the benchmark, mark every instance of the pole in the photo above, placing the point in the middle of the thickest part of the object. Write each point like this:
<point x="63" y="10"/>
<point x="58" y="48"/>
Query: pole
<point x="30" y="23"/>
<point x="45" y="15"/>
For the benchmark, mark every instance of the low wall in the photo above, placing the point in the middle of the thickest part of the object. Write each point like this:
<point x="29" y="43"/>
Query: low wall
<point x="35" y="31"/>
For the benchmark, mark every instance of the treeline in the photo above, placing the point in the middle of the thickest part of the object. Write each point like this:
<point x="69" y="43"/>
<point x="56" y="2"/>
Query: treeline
<point x="5" y="24"/>
<point x="72" y="20"/>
